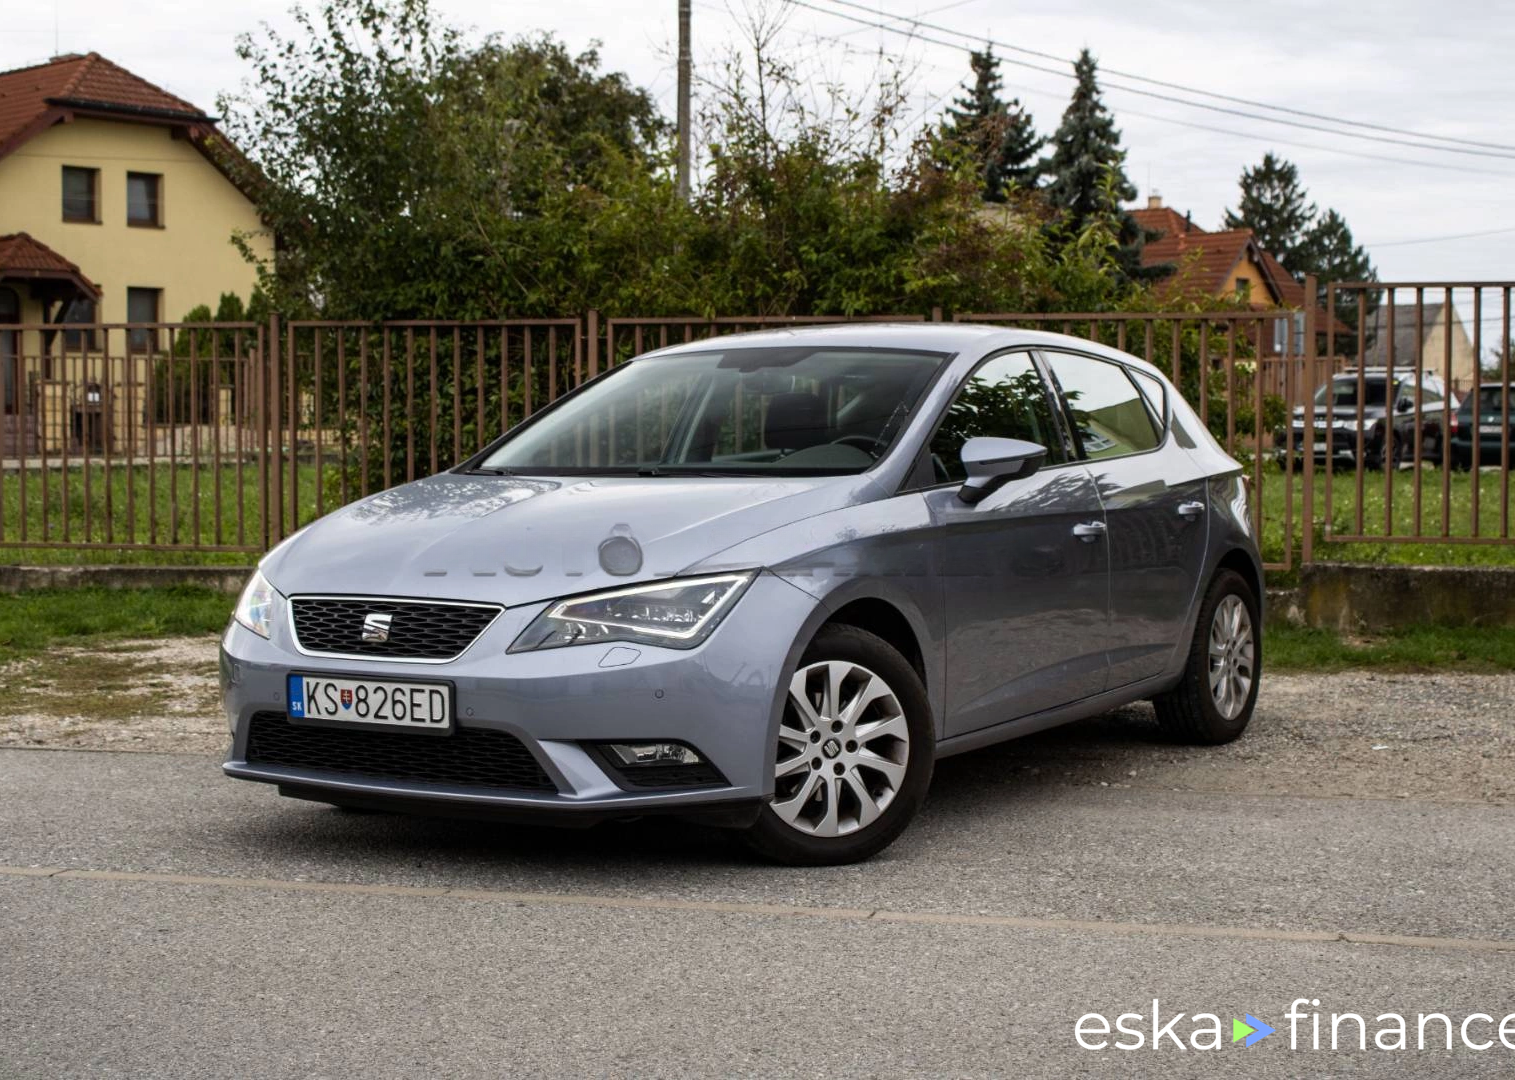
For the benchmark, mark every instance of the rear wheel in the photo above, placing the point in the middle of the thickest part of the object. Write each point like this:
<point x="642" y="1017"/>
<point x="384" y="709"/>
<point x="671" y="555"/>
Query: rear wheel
<point x="1214" y="700"/>
<point x="854" y="753"/>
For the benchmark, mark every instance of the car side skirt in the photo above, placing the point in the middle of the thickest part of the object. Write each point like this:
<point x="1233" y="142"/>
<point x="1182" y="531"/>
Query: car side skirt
<point x="1056" y="717"/>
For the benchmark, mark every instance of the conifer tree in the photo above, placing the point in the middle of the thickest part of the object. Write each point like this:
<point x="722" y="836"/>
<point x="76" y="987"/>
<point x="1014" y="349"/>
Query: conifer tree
<point x="999" y="135"/>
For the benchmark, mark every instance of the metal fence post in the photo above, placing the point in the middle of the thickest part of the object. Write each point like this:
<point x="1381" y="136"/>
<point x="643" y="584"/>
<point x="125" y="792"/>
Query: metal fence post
<point x="592" y="333"/>
<point x="1307" y="541"/>
<point x="273" y="519"/>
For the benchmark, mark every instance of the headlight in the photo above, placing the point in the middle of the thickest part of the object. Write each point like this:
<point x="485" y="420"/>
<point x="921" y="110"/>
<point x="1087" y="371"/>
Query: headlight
<point x="678" y="614"/>
<point x="256" y="604"/>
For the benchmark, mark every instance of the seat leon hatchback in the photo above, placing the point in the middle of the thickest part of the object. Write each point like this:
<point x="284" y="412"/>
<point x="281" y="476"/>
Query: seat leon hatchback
<point x="765" y="581"/>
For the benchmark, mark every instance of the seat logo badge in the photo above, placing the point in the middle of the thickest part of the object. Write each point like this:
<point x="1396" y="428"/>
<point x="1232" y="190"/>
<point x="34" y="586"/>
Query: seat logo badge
<point x="376" y="628"/>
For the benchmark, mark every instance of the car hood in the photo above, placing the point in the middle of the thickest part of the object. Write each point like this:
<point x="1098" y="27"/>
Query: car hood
<point x="515" y="540"/>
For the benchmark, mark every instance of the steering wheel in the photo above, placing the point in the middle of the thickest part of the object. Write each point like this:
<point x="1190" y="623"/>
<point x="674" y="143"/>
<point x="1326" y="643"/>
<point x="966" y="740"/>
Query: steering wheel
<point x="871" y="445"/>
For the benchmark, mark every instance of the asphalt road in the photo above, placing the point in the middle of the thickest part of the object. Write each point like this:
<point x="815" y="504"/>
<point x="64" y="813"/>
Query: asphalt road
<point x="159" y="920"/>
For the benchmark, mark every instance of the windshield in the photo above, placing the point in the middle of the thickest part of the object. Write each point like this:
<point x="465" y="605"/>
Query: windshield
<point x="1342" y="392"/>
<point x="797" y="411"/>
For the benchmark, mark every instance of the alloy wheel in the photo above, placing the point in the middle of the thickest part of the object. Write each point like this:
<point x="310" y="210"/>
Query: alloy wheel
<point x="1231" y="656"/>
<point x="844" y="744"/>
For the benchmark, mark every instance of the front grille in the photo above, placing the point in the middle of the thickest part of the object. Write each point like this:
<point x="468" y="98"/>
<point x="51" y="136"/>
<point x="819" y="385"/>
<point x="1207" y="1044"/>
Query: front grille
<point x="468" y="757"/>
<point x="418" y="629"/>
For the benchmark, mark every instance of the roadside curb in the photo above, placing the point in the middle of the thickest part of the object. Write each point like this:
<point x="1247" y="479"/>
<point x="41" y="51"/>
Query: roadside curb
<point x="227" y="579"/>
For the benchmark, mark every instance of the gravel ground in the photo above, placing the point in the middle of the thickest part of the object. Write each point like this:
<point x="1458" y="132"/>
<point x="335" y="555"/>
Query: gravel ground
<point x="1351" y="734"/>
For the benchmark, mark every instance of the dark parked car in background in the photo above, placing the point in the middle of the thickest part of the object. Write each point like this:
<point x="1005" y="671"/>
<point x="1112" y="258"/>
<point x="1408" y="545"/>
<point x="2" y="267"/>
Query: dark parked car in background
<point x="1386" y="420"/>
<point x="1495" y="425"/>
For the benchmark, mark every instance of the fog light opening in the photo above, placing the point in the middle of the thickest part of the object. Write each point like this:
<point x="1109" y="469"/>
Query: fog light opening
<point x="632" y="755"/>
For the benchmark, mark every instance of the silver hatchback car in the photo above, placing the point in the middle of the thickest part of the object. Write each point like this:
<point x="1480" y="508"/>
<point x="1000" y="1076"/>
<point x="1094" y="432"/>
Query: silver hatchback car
<point x="763" y="580"/>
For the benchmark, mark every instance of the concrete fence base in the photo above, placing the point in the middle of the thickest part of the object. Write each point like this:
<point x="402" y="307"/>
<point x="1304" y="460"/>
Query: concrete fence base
<point x="1353" y="597"/>
<point x="228" y="579"/>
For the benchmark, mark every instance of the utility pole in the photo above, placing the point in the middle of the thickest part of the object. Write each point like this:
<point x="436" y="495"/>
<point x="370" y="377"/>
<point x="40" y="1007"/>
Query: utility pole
<point x="685" y="64"/>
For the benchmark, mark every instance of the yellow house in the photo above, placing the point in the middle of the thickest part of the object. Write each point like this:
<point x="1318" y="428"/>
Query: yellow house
<point x="114" y="208"/>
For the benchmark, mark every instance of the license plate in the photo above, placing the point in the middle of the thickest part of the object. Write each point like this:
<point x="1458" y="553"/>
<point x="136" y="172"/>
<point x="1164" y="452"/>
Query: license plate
<point x="412" y="705"/>
<point x="1321" y="448"/>
<point x="1490" y="429"/>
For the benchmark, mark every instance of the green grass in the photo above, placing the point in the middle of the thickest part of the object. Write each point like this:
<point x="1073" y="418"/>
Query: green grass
<point x="1436" y="649"/>
<point x="142" y="505"/>
<point x="32" y="622"/>
<point x="167" y="495"/>
<point x="1343" y="517"/>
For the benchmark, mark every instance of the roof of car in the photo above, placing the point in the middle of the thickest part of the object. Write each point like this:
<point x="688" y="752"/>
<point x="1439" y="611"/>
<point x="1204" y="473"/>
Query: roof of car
<point x="953" y="337"/>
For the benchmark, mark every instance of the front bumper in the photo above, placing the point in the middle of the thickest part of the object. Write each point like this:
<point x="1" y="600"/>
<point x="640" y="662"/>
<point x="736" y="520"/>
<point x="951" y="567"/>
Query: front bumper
<point x="722" y="698"/>
<point x="1338" y="444"/>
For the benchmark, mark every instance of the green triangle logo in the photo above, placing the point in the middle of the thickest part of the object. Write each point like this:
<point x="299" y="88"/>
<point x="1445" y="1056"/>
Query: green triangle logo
<point x="1240" y="1030"/>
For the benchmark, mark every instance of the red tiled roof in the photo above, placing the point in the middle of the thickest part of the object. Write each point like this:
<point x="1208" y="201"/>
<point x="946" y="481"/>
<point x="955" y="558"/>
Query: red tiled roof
<point x="26" y="258"/>
<point x="1203" y="261"/>
<point x="82" y="83"/>
<point x="1291" y="293"/>
<point x="1164" y="220"/>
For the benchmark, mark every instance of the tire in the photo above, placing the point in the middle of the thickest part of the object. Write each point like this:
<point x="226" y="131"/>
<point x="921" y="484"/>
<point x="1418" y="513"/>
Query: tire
<point x="818" y="817"/>
<point x="1190" y="710"/>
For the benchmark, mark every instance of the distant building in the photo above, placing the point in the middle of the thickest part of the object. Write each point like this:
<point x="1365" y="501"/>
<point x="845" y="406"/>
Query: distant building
<point x="115" y="206"/>
<point x="1228" y="263"/>
<point x="1423" y="344"/>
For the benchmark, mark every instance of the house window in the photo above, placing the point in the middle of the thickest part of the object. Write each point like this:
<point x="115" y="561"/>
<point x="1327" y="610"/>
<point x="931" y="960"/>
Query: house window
<point x="79" y="311"/>
<point x="81" y="194"/>
<point x="142" y="306"/>
<point x="10" y="346"/>
<point x="1243" y="290"/>
<point x="144" y="203"/>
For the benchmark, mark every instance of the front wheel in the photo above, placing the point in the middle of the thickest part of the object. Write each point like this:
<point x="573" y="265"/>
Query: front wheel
<point x="1213" y="701"/>
<point x="854" y="754"/>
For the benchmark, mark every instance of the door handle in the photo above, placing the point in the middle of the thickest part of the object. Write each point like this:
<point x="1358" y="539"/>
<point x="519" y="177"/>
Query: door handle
<point x="1089" y="531"/>
<point x="1190" y="510"/>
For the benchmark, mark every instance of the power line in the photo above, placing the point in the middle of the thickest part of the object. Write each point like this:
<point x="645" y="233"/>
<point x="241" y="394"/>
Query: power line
<point x="1234" y="133"/>
<point x="1440" y="239"/>
<point x="1274" y="140"/>
<point x="918" y="22"/>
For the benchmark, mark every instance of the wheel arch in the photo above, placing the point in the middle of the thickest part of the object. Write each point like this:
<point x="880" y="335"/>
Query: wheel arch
<point x="1242" y="562"/>
<point x="882" y="619"/>
<point x="892" y="611"/>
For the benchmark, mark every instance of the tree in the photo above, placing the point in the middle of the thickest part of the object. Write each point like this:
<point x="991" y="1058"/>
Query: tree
<point x="1089" y="181"/>
<point x="1087" y="165"/>
<point x="1276" y="207"/>
<point x="1331" y="254"/>
<point x="999" y="136"/>
<point x="405" y="172"/>
<point x="411" y="172"/>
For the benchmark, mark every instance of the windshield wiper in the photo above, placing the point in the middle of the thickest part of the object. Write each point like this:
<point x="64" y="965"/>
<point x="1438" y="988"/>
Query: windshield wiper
<point x="491" y="472"/>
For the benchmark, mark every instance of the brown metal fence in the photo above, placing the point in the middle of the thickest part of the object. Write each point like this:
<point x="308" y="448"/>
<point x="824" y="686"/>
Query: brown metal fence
<point x="133" y="435"/>
<point x="226" y="437"/>
<point x="1442" y="471"/>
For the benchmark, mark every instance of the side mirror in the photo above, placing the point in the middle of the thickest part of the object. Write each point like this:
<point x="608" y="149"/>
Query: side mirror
<point x="1403" y="405"/>
<point x="991" y="462"/>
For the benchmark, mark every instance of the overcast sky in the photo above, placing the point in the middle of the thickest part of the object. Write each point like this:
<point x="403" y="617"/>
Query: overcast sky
<point x="1435" y="69"/>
